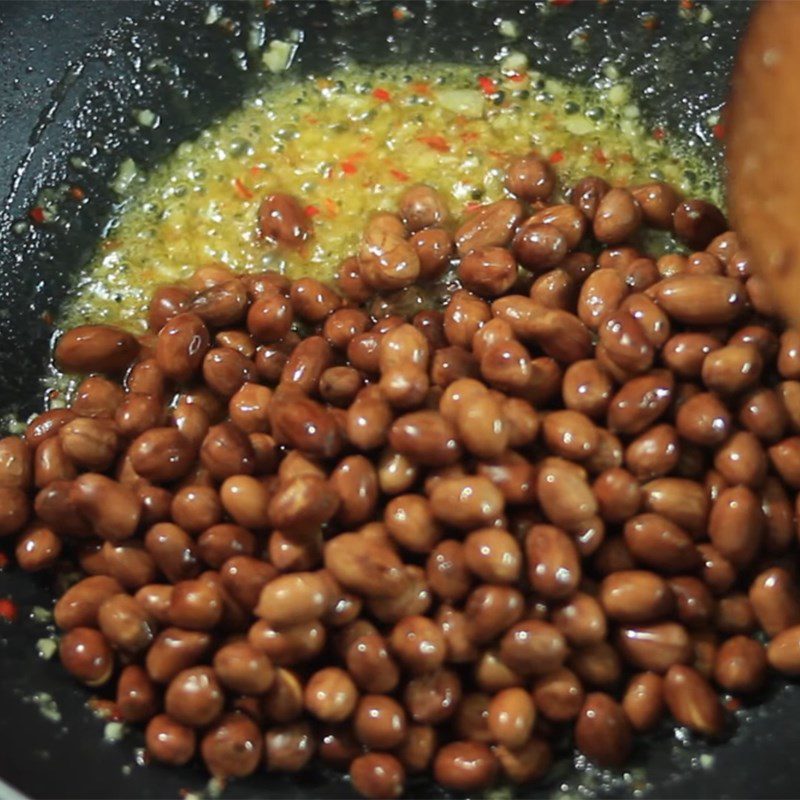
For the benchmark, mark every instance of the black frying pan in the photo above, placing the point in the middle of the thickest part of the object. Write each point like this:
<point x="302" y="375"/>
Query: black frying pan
<point x="70" y="73"/>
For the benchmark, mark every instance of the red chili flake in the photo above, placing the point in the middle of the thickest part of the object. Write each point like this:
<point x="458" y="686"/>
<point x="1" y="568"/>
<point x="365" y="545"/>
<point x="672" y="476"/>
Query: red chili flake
<point x="470" y="136"/>
<point x="76" y="193"/>
<point x="687" y="4"/>
<point x="435" y="143"/>
<point x="651" y="22"/>
<point x="348" y="167"/>
<point x="555" y="157"/>
<point x="382" y="95"/>
<point x="242" y="190"/>
<point x="518" y="77"/>
<point x="104" y="709"/>
<point x="37" y="215"/>
<point x="487" y="84"/>
<point x="8" y="610"/>
<point x="311" y="119"/>
<point x="719" y="130"/>
<point x="600" y="156"/>
<point x="733" y="704"/>
<point x="658" y="134"/>
<point x="561" y="2"/>
<point x="311" y="211"/>
<point x="399" y="175"/>
<point x="331" y="207"/>
<point x="472" y="206"/>
<point x="3" y="560"/>
<point x="400" y="13"/>
<point x="420" y="88"/>
<point x="255" y="170"/>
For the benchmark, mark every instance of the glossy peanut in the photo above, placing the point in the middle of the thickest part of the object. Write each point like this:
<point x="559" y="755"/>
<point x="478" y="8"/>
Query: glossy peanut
<point x="364" y="566"/>
<point x="635" y="596"/>
<point x="740" y="665"/>
<point x="701" y="299"/>
<point x="655" y="647"/>
<point x="491" y="610"/>
<point x="656" y="541"/>
<point x="95" y="348"/>
<point x="581" y="619"/>
<point x="466" y="503"/>
<point x="292" y="599"/>
<point x="87" y="656"/>
<point x="282" y="220"/>
<point x="692" y="701"/>
<point x="125" y="624"/>
<point x="602" y="730"/>
<point x="775" y="600"/>
<point x="533" y="647"/>
<point x="564" y="493"/>
<point x="657" y="201"/>
<point x="111" y="508"/>
<point x="736" y="524"/>
<point x="554" y="567"/>
<point x="465" y="766"/>
<point x="161" y="454"/>
<point x="643" y="701"/>
<point x="490" y="225"/>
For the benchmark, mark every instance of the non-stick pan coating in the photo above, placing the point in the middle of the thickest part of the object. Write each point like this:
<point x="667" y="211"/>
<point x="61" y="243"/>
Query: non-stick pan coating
<point x="70" y="74"/>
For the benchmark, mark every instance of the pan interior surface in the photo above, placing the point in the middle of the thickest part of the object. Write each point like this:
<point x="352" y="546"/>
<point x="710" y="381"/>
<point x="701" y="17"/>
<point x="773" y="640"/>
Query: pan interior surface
<point x="190" y="65"/>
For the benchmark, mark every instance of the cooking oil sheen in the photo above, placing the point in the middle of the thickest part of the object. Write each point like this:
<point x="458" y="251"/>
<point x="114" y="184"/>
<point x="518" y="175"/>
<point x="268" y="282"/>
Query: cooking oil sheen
<point x="348" y="144"/>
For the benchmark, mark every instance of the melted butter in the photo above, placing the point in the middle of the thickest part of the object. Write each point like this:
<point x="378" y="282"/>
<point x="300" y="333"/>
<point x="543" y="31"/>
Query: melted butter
<point x="347" y="145"/>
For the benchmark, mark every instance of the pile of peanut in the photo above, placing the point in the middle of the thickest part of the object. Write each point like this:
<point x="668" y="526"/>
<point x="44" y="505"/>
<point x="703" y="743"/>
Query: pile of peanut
<point x="565" y="502"/>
